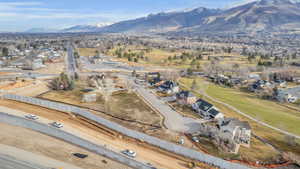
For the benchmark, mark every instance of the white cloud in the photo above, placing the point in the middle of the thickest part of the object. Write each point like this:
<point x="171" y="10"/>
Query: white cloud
<point x="23" y="15"/>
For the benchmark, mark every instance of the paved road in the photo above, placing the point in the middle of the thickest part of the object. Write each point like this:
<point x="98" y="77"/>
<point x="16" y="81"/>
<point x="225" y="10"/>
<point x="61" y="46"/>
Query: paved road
<point x="70" y="60"/>
<point x="173" y="120"/>
<point x="8" y="162"/>
<point x="28" y="75"/>
<point x="22" y="157"/>
<point x="246" y="115"/>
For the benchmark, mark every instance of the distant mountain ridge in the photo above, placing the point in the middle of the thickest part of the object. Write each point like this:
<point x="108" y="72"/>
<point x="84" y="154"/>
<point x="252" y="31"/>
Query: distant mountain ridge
<point x="258" y="16"/>
<point x="85" y="28"/>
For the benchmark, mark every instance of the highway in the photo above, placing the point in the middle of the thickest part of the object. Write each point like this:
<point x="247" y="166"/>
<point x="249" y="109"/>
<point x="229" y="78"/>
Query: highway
<point x="8" y="162"/>
<point x="70" y="60"/>
<point x="70" y="138"/>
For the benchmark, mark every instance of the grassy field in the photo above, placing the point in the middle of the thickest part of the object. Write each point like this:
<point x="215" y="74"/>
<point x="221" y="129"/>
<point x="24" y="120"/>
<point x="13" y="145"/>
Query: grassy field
<point x="159" y="57"/>
<point x="87" y="51"/>
<point x="264" y="110"/>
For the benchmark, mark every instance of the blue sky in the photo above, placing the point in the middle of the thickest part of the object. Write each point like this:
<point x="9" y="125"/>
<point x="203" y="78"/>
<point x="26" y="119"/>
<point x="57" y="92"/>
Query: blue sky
<point x="20" y="15"/>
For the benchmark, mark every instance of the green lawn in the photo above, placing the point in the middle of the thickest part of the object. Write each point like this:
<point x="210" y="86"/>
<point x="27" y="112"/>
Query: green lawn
<point x="264" y="110"/>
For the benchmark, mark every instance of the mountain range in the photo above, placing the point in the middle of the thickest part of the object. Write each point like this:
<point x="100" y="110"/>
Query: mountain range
<point x="257" y="16"/>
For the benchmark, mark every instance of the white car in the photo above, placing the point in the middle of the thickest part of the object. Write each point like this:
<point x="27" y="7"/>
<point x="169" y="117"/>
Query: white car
<point x="195" y="139"/>
<point x="57" y="125"/>
<point x="129" y="153"/>
<point x="31" y="117"/>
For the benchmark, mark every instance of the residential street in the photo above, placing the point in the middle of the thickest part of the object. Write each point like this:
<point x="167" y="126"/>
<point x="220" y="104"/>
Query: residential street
<point x="173" y="120"/>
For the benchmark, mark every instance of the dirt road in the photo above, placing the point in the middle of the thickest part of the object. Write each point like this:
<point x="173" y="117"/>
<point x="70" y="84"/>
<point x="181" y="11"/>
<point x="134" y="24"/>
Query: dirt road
<point x="96" y="135"/>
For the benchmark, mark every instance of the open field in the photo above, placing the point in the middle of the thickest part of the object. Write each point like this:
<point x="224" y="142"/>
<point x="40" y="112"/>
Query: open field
<point x="122" y="105"/>
<point x="254" y="105"/>
<point x="87" y="51"/>
<point x="51" y="147"/>
<point x="159" y="57"/>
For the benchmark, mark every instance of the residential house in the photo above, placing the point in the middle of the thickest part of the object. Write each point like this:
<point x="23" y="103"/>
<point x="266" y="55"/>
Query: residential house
<point x="207" y="110"/>
<point x="186" y="98"/>
<point x="236" y="130"/>
<point x="156" y="81"/>
<point x="37" y="64"/>
<point x="296" y="80"/>
<point x="152" y="75"/>
<point x="290" y="95"/>
<point x="280" y="83"/>
<point x="254" y="76"/>
<point x="169" y="87"/>
<point x="259" y="85"/>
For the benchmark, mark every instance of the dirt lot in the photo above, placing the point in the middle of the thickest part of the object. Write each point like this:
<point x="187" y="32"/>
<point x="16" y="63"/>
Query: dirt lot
<point x="123" y="106"/>
<point x="27" y="88"/>
<point x="125" y="109"/>
<point x="14" y="85"/>
<point x="51" y="147"/>
<point x="101" y="136"/>
<point x="6" y="73"/>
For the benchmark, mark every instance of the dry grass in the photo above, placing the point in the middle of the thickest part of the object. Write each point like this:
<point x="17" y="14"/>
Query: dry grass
<point x="87" y="51"/>
<point x="122" y="105"/>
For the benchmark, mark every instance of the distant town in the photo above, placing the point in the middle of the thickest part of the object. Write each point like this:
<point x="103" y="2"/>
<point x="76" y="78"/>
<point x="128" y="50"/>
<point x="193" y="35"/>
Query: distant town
<point x="155" y="100"/>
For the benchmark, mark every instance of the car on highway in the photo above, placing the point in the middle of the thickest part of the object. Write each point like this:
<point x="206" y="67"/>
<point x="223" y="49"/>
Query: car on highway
<point x="151" y="166"/>
<point x="195" y="139"/>
<point x="129" y="153"/>
<point x="57" y="124"/>
<point x="31" y="117"/>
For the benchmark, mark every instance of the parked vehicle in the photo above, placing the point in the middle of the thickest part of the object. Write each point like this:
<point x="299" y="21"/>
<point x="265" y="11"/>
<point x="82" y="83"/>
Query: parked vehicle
<point x="57" y="125"/>
<point x="31" y="117"/>
<point x="129" y="153"/>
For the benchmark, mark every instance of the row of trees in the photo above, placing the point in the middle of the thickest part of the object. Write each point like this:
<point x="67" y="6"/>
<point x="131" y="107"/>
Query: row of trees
<point x="63" y="82"/>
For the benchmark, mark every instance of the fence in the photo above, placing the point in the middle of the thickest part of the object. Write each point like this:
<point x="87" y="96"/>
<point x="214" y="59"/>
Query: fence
<point x="168" y="146"/>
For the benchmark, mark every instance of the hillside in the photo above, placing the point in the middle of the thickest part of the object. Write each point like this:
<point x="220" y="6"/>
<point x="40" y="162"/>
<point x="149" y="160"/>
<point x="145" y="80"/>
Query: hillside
<point x="259" y="16"/>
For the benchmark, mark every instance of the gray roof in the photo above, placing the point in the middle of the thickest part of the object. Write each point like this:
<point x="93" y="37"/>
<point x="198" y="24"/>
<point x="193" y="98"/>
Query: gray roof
<point x="213" y="112"/>
<point x="295" y="91"/>
<point x="203" y="105"/>
<point x="233" y="122"/>
<point x="186" y="94"/>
